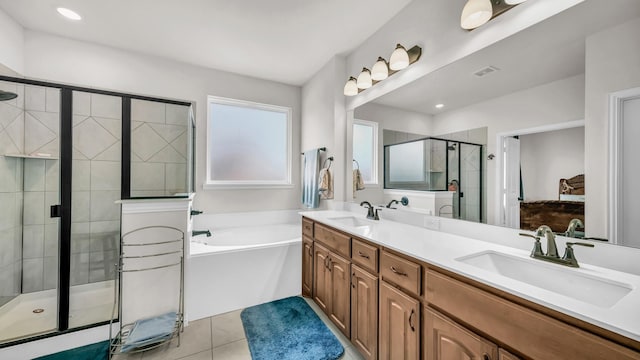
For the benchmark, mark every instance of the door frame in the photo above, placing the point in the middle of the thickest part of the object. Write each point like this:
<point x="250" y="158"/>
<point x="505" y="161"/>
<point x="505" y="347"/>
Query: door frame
<point x="499" y="213"/>
<point x="616" y="158"/>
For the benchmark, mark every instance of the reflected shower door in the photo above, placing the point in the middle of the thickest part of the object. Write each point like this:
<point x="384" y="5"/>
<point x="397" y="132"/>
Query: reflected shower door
<point x="470" y="184"/>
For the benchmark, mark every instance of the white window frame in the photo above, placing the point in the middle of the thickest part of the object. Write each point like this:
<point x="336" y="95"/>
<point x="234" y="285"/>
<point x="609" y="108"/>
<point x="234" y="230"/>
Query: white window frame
<point x="374" y="167"/>
<point x="210" y="184"/>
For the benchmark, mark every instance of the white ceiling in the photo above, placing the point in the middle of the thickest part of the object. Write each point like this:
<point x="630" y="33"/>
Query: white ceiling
<point x="551" y="50"/>
<point x="280" y="40"/>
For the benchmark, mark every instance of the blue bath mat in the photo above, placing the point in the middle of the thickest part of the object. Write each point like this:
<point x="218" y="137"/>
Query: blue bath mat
<point x="97" y="351"/>
<point x="288" y="329"/>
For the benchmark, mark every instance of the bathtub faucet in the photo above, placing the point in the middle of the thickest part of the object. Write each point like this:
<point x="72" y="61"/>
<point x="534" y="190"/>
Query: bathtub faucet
<point x="201" y="232"/>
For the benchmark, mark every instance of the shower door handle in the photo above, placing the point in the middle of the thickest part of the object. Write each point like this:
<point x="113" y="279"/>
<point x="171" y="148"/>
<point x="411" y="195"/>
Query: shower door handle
<point x="56" y="211"/>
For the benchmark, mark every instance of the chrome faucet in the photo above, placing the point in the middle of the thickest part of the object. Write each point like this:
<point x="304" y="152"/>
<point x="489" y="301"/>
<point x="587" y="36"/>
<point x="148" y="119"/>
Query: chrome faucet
<point x="568" y="259"/>
<point x="201" y="232"/>
<point x="573" y="224"/>
<point x="371" y="214"/>
<point x="391" y="203"/>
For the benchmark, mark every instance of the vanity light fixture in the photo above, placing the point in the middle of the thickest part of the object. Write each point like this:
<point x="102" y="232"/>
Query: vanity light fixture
<point x="69" y="14"/>
<point x="364" y="79"/>
<point x="478" y="12"/>
<point x="380" y="70"/>
<point x="351" y="87"/>
<point x="439" y="106"/>
<point x="400" y="59"/>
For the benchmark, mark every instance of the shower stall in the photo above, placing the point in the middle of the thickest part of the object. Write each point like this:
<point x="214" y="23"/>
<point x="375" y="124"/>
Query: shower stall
<point x="434" y="164"/>
<point x="67" y="154"/>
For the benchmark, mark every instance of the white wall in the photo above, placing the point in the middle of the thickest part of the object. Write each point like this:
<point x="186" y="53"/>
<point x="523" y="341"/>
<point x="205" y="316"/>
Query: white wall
<point x="75" y="62"/>
<point x="547" y="157"/>
<point x="324" y="120"/>
<point x="11" y="46"/>
<point x="388" y="118"/>
<point x="612" y="64"/>
<point x="555" y="102"/>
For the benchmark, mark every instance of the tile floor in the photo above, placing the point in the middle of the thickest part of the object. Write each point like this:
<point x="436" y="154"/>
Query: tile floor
<point x="222" y="337"/>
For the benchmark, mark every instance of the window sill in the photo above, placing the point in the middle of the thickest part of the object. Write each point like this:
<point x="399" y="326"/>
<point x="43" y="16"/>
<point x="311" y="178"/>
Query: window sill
<point x="246" y="186"/>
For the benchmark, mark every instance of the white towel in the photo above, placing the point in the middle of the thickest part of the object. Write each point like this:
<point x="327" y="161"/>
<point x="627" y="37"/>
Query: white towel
<point x="325" y="186"/>
<point x="310" y="196"/>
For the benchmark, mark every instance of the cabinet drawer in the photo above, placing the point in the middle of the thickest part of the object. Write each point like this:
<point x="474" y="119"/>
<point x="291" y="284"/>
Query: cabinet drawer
<point x="333" y="239"/>
<point x="401" y="272"/>
<point x="528" y="332"/>
<point x="364" y="255"/>
<point x="307" y="228"/>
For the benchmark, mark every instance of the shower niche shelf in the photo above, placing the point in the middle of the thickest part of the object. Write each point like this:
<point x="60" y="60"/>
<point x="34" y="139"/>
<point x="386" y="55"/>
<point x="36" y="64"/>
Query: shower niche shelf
<point x="27" y="156"/>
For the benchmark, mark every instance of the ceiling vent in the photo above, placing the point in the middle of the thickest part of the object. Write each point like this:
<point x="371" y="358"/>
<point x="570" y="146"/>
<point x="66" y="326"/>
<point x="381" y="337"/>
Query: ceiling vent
<point x="486" y="71"/>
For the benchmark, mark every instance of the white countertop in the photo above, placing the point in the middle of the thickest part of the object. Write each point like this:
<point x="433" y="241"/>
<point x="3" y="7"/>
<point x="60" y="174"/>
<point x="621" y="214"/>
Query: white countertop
<point x="442" y="249"/>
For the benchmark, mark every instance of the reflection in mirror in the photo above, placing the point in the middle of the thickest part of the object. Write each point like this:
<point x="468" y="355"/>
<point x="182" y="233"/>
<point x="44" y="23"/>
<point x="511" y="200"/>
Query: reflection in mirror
<point x="563" y="75"/>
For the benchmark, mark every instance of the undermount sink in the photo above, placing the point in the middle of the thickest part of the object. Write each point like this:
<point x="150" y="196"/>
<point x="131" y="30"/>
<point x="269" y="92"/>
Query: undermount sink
<point x="358" y="224"/>
<point x="565" y="281"/>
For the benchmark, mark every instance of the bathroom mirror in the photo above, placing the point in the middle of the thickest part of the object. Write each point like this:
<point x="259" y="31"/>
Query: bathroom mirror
<point x="537" y="88"/>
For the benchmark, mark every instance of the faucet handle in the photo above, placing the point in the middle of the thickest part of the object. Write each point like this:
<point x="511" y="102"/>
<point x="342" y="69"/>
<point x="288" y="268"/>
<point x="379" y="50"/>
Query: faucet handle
<point x="569" y="256"/>
<point x="537" y="246"/>
<point x="376" y="217"/>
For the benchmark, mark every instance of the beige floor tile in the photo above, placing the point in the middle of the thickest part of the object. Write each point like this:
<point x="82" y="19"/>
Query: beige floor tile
<point x="226" y="328"/>
<point x="196" y="338"/>
<point x="136" y="356"/>
<point x="238" y="350"/>
<point x="205" y="355"/>
<point x="351" y="353"/>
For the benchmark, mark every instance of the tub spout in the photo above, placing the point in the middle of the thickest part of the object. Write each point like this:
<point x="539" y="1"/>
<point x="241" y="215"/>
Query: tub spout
<point x="201" y="232"/>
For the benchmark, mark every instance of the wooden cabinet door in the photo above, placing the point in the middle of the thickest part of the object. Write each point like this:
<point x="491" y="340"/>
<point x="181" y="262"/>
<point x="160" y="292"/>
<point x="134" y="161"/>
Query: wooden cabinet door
<point x="364" y="312"/>
<point x="320" y="277"/>
<point x="307" y="266"/>
<point x="399" y="325"/>
<point x="444" y="340"/>
<point x="505" y="355"/>
<point x="339" y="287"/>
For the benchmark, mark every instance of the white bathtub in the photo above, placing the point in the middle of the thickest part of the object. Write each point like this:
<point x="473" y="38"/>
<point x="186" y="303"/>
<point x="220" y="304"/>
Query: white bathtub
<point x="242" y="266"/>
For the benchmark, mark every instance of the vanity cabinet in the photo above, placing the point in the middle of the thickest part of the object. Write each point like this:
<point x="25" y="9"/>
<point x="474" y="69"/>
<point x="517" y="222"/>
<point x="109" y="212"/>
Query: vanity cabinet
<point x="505" y="355"/>
<point x="444" y="340"/>
<point x="307" y="266"/>
<point x="331" y="289"/>
<point x="399" y="324"/>
<point x="364" y="312"/>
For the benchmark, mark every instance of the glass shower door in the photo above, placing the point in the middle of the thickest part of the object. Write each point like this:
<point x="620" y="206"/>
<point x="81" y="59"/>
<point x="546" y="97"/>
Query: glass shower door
<point x="29" y="215"/>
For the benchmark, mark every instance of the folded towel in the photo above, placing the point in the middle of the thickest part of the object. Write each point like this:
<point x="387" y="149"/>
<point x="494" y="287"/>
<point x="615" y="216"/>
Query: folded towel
<point x="358" y="182"/>
<point x="149" y="331"/>
<point x="325" y="186"/>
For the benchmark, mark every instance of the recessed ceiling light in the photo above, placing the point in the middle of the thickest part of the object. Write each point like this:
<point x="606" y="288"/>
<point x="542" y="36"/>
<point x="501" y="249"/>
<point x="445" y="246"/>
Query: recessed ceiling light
<point x="439" y="106"/>
<point x="69" y="14"/>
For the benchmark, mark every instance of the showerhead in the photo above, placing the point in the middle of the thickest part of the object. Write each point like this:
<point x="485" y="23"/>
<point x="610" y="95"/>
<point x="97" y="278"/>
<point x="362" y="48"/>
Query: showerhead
<point x="5" y="95"/>
<point x="452" y="147"/>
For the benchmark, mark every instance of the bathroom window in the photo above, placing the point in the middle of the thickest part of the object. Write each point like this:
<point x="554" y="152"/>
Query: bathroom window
<point x="248" y="144"/>
<point x="365" y="150"/>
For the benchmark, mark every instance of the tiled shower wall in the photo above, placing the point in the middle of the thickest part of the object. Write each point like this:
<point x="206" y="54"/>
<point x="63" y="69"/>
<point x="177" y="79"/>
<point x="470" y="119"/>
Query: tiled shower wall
<point x="95" y="218"/>
<point x="159" y="143"/>
<point x="11" y="142"/>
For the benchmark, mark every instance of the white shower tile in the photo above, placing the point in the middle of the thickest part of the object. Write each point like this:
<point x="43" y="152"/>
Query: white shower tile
<point x="81" y="175"/>
<point x="145" y="142"/>
<point x="80" y="235"/>
<point x="51" y="233"/>
<point x="7" y="243"/>
<point x="81" y="104"/>
<point x="80" y="206"/>
<point x="148" y="111"/>
<point x="176" y="177"/>
<point x="8" y="168"/>
<point x="113" y="126"/>
<point x="103" y="205"/>
<point x="7" y="145"/>
<point x="180" y="145"/>
<point x="177" y="114"/>
<point x="168" y="132"/>
<point x="33" y="208"/>
<point x="105" y="175"/>
<point x="147" y="176"/>
<point x="52" y="100"/>
<point x="33" y="241"/>
<point x="50" y="120"/>
<point x="38" y="134"/>
<point x="168" y="155"/>
<point x="32" y="275"/>
<point x="35" y="98"/>
<point x="113" y="153"/>
<point x="34" y="175"/>
<point x="106" y="106"/>
<point x="90" y="139"/>
<point x="8" y="113"/>
<point x="79" y="269"/>
<point x="105" y="235"/>
<point x="52" y="175"/>
<point x="50" y="280"/>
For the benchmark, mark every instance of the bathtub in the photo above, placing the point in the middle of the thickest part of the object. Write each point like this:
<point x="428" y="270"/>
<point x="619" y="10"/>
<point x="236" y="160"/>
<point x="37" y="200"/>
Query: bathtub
<point x="242" y="266"/>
